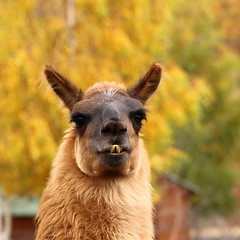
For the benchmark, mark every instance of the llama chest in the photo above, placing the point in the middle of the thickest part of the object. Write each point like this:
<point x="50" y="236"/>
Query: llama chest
<point x="104" y="222"/>
<point x="74" y="220"/>
<point x="130" y="224"/>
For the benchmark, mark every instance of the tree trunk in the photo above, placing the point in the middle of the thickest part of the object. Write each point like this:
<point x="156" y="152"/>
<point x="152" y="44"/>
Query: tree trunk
<point x="70" y="21"/>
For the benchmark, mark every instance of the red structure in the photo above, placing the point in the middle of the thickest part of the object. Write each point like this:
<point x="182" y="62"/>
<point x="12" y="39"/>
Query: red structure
<point x="18" y="216"/>
<point x="172" y="213"/>
<point x="23" y="211"/>
<point x="22" y="228"/>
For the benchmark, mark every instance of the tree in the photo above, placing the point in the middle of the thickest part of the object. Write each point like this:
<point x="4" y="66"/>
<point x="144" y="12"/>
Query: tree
<point x="194" y="120"/>
<point x="211" y="141"/>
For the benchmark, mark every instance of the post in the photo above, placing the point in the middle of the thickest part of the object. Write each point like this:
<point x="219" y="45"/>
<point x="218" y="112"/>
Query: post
<point x="5" y="219"/>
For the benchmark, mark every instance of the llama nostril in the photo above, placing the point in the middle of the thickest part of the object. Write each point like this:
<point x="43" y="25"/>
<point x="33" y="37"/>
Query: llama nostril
<point x="114" y="128"/>
<point x="106" y="130"/>
<point x="124" y="130"/>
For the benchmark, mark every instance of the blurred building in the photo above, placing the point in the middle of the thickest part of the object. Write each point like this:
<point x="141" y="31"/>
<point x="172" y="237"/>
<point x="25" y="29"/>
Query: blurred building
<point x="173" y="211"/>
<point x="18" y="218"/>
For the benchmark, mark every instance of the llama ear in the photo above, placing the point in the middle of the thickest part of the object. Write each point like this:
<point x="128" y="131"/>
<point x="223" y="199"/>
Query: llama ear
<point x="147" y="85"/>
<point x="65" y="90"/>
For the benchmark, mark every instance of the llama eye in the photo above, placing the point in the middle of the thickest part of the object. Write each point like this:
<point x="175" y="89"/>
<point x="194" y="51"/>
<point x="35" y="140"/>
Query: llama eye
<point x="138" y="117"/>
<point x="79" y="120"/>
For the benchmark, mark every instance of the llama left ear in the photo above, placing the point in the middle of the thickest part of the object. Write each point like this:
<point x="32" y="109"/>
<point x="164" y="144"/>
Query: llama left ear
<point x="147" y="85"/>
<point x="64" y="89"/>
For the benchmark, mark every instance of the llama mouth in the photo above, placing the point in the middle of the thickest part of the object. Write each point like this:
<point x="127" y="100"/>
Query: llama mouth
<point x="114" y="149"/>
<point x="114" y="157"/>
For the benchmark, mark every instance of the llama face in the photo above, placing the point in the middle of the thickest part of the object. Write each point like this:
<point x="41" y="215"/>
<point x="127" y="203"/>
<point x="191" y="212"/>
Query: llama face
<point x="107" y="127"/>
<point x="107" y="119"/>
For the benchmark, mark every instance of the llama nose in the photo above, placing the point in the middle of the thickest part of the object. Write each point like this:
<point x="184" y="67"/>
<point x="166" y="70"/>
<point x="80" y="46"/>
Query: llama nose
<point x="114" y="128"/>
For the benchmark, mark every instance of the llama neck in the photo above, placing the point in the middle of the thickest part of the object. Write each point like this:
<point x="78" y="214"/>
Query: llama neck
<point x="119" y="207"/>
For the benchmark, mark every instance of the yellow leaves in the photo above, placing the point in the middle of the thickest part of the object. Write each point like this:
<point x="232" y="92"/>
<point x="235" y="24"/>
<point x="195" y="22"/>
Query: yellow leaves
<point x="228" y="17"/>
<point x="114" y="41"/>
<point x="119" y="41"/>
<point x="183" y="95"/>
<point x="165" y="161"/>
<point x="39" y="140"/>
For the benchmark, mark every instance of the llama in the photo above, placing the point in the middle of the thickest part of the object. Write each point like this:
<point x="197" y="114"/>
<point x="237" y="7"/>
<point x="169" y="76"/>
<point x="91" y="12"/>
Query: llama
<point x="99" y="186"/>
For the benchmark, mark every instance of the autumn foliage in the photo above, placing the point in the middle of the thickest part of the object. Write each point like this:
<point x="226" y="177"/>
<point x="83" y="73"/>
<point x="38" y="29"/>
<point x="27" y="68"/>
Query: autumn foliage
<point x="194" y="125"/>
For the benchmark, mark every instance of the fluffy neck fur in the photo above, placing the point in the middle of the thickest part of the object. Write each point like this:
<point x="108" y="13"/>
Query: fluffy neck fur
<point x="75" y="206"/>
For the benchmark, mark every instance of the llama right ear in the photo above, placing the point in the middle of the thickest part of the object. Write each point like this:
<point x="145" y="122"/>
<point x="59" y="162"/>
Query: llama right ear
<point x="147" y="85"/>
<point x="65" y="90"/>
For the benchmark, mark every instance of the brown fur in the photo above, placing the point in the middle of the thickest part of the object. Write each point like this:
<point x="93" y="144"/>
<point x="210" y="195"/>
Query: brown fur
<point x="80" y="203"/>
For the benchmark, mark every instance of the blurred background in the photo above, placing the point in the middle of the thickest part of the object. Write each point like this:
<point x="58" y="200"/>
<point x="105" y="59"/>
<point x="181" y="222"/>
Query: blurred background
<point x="193" y="129"/>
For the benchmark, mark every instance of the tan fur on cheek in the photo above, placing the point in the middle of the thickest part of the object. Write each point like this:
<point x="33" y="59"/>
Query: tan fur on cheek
<point x="86" y="160"/>
<point x="135" y="160"/>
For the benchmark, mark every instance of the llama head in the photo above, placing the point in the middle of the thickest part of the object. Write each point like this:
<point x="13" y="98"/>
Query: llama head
<point x="106" y="119"/>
